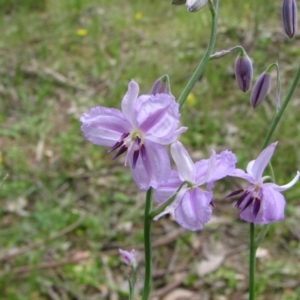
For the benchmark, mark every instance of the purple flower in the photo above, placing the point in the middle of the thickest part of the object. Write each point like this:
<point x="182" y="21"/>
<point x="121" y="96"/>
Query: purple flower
<point x="145" y="124"/>
<point x="128" y="257"/>
<point x="261" y="203"/>
<point x="289" y="17"/>
<point x="192" y="205"/>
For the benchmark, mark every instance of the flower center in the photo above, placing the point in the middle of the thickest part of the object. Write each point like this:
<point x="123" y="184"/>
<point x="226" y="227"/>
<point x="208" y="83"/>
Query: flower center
<point x="252" y="195"/>
<point x="130" y="140"/>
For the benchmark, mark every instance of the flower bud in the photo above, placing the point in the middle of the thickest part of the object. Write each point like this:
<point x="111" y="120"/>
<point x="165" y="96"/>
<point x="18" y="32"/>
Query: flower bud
<point x="289" y="17"/>
<point x="195" y="5"/>
<point x="260" y="89"/>
<point x="161" y="86"/>
<point x="128" y="257"/>
<point x="243" y="71"/>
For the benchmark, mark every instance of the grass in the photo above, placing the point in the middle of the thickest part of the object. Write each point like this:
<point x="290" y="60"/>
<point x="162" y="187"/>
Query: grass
<point x="50" y="76"/>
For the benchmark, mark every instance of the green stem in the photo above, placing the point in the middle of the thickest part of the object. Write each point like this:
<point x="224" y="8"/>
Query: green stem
<point x="202" y="65"/>
<point x="281" y="110"/>
<point x="252" y="262"/>
<point x="147" y="245"/>
<point x="131" y="290"/>
<point x="132" y="284"/>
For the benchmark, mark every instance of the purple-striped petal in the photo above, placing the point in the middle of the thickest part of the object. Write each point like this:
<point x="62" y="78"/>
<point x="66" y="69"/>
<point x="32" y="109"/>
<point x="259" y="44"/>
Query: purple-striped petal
<point x="158" y="117"/>
<point x="154" y="170"/>
<point x="104" y="126"/>
<point x="271" y="208"/>
<point x="194" y="209"/>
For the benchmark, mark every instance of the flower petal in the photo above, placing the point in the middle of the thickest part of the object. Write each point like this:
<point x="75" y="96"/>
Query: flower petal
<point x="185" y="166"/>
<point x="154" y="169"/>
<point x="273" y="204"/>
<point x="194" y="209"/>
<point x="281" y="188"/>
<point x="129" y="100"/>
<point x="242" y="174"/>
<point x="271" y="208"/>
<point x="250" y="166"/>
<point x="104" y="126"/>
<point x="225" y="164"/>
<point x="262" y="160"/>
<point x="174" y="204"/>
<point x="158" y="117"/>
<point x="166" y="190"/>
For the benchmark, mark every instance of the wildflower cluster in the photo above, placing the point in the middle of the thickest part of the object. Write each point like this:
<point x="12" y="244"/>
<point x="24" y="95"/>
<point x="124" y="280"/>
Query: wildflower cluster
<point x="144" y="127"/>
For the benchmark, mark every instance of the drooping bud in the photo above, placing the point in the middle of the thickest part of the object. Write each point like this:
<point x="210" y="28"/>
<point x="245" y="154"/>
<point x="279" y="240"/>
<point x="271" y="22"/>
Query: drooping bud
<point x="191" y="5"/>
<point x="128" y="257"/>
<point x="289" y="17"/>
<point x="195" y="5"/>
<point x="260" y="89"/>
<point x="161" y="86"/>
<point x="243" y="71"/>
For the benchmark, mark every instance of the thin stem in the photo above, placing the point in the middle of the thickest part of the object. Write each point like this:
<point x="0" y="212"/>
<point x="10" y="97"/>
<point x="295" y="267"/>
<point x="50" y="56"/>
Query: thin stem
<point x="203" y="63"/>
<point x="147" y="245"/>
<point x="281" y="110"/>
<point x="222" y="53"/>
<point x="252" y="262"/>
<point x="132" y="284"/>
<point x="131" y="290"/>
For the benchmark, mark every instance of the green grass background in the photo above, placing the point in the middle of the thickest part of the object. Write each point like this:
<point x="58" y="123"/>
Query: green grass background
<point x="50" y="75"/>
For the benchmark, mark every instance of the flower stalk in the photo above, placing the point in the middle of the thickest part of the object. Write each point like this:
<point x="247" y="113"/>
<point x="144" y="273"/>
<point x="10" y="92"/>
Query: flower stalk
<point x="147" y="245"/>
<point x="252" y="262"/>
<point x="214" y="9"/>
<point x="281" y="110"/>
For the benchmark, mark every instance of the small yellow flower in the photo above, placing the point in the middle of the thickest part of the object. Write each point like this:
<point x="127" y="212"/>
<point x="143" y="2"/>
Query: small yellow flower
<point x="191" y="99"/>
<point x="138" y="16"/>
<point x="81" y="32"/>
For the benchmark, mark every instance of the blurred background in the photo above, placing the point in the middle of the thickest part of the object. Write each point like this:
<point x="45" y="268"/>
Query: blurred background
<point x="66" y="207"/>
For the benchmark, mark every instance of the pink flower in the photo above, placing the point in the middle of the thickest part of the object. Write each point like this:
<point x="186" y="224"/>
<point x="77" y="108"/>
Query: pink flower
<point x="261" y="203"/>
<point x="144" y="126"/>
